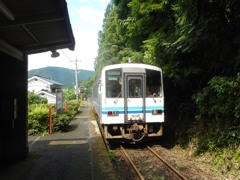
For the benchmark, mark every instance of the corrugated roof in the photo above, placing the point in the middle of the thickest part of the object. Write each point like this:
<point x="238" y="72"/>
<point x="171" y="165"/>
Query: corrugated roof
<point x="34" y="26"/>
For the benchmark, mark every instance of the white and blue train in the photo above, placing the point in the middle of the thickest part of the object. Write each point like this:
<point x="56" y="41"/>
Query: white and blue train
<point x="129" y="101"/>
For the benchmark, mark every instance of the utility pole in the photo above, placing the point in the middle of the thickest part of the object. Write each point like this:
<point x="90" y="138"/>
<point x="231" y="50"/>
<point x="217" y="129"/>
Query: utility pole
<point x="76" y="78"/>
<point x="76" y="75"/>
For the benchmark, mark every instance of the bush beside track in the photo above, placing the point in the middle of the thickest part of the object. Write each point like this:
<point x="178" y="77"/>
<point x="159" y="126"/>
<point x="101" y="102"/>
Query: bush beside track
<point x="38" y="115"/>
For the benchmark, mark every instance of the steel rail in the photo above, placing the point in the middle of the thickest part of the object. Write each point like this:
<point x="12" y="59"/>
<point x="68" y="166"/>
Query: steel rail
<point x="167" y="164"/>
<point x="132" y="163"/>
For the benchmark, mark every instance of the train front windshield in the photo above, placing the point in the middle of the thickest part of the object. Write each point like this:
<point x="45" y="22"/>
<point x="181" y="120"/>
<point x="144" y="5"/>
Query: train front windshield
<point x="114" y="84"/>
<point x="153" y="83"/>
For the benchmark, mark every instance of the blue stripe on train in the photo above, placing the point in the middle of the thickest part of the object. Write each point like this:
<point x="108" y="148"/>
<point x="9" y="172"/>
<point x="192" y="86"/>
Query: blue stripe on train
<point x="130" y="108"/>
<point x="132" y="112"/>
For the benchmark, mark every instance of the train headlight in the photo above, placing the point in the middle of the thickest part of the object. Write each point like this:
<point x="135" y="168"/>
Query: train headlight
<point x="157" y="112"/>
<point x="112" y="113"/>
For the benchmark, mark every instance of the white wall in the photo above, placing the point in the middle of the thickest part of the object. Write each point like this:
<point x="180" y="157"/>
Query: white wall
<point x="38" y="85"/>
<point x="51" y="99"/>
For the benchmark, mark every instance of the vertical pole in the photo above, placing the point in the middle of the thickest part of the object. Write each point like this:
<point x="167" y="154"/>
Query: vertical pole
<point x="50" y="120"/>
<point x="66" y="106"/>
<point x="76" y="78"/>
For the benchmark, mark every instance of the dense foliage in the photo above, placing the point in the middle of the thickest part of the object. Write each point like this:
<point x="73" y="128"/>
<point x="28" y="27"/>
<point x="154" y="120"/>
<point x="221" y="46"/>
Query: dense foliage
<point x="38" y="115"/>
<point x="86" y="87"/>
<point x="34" y="99"/>
<point x="197" y="44"/>
<point x="221" y="115"/>
<point x="69" y="94"/>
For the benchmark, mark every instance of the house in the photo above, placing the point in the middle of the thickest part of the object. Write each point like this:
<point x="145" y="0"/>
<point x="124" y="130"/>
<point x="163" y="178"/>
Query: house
<point x="44" y="87"/>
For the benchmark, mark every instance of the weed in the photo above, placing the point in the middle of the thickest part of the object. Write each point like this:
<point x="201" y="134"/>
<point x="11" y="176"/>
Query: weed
<point x="111" y="156"/>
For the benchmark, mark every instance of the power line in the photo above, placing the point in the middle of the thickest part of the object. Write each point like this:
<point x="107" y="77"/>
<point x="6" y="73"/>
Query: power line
<point x="76" y="73"/>
<point x="66" y="56"/>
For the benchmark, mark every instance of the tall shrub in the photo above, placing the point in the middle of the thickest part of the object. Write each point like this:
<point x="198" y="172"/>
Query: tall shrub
<point x="35" y="99"/>
<point x="38" y="119"/>
<point x="218" y="114"/>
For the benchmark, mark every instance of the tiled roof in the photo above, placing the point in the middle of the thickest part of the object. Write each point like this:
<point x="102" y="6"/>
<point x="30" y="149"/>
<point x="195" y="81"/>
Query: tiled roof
<point x="48" y="80"/>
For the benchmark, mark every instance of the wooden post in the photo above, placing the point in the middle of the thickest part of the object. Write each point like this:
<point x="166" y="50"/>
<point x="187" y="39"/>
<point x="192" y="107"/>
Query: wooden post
<point x="65" y="106"/>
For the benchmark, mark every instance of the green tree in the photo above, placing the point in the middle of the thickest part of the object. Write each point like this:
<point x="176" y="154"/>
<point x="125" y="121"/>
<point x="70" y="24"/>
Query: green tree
<point x="87" y="88"/>
<point x="35" y="99"/>
<point x="193" y="42"/>
<point x="69" y="94"/>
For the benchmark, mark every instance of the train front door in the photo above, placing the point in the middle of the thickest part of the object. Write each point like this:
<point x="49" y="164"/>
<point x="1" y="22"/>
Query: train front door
<point x="134" y="97"/>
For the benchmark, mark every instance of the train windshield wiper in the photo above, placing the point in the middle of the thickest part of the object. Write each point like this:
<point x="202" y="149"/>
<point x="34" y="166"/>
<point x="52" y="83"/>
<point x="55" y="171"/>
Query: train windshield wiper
<point x="153" y="98"/>
<point x="115" y="101"/>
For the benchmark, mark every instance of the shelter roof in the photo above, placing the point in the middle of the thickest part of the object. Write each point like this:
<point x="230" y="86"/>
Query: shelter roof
<point x="34" y="26"/>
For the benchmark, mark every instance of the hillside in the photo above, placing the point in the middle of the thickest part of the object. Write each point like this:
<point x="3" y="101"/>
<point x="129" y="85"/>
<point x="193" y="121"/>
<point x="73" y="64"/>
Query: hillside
<point x="64" y="76"/>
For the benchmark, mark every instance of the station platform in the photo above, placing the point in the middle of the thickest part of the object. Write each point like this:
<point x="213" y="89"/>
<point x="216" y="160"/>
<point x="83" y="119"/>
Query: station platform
<point x="77" y="154"/>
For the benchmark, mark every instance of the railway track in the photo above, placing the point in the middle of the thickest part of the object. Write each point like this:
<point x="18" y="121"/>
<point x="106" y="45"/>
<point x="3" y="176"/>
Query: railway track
<point x="133" y="165"/>
<point x="136" y="169"/>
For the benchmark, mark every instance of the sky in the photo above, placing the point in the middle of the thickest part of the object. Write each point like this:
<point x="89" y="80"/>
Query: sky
<point x="86" y="17"/>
